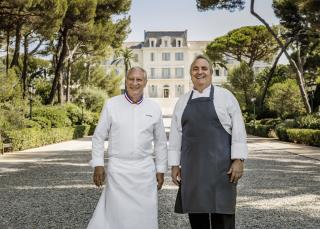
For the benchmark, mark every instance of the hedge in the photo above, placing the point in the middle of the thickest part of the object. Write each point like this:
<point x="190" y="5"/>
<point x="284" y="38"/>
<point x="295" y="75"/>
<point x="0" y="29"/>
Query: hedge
<point x="281" y="132"/>
<point x="310" y="121"/>
<point x="56" y="114"/>
<point x="304" y="136"/>
<point x="259" y="129"/>
<point x="34" y="137"/>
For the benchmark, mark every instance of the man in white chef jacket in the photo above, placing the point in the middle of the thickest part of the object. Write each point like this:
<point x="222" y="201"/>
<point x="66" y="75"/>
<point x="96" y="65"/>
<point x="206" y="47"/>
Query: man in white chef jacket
<point x="207" y="147"/>
<point x="137" y="158"/>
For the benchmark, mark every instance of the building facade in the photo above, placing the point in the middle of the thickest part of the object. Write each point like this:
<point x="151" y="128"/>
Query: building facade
<point x="167" y="56"/>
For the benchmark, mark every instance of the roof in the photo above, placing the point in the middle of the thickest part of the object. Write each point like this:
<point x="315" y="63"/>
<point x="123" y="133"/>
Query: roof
<point x="159" y="34"/>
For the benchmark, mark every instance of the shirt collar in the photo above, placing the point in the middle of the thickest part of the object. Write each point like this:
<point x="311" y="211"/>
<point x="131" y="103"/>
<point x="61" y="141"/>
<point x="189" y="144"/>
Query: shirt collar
<point x="205" y="92"/>
<point x="131" y="101"/>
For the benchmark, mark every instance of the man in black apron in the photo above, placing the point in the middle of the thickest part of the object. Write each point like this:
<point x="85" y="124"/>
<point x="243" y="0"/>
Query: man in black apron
<point x="208" y="174"/>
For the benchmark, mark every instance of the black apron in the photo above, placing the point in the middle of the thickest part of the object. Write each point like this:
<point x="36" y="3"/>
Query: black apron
<point x="205" y="161"/>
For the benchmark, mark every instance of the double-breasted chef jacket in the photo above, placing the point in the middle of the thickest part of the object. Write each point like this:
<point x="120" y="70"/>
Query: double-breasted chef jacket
<point x="207" y="133"/>
<point x="137" y="149"/>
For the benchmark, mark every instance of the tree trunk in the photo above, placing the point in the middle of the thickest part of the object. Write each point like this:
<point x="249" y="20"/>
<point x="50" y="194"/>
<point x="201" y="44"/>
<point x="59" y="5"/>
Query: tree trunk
<point x="60" y="90"/>
<point x="88" y="72"/>
<point x="25" y="65"/>
<point x="59" y="67"/>
<point x="7" y="50"/>
<point x="271" y="72"/>
<point x="246" y="98"/>
<point x="68" y="81"/>
<point x="299" y="74"/>
<point x="15" y="58"/>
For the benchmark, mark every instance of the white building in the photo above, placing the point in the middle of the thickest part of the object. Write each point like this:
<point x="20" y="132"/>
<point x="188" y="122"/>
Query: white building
<point x="167" y="56"/>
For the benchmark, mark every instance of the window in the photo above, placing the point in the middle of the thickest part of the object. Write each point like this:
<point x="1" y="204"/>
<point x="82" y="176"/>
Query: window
<point x="152" y="73"/>
<point x="165" y="56"/>
<point x="179" y="90"/>
<point x="165" y="91"/>
<point x="165" y="43"/>
<point x="153" y="91"/>
<point x="179" y="44"/>
<point x="136" y="58"/>
<point x="179" y="55"/>
<point x="152" y="56"/>
<point x="166" y="73"/>
<point x="217" y="72"/>
<point x="152" y="43"/>
<point x="179" y="72"/>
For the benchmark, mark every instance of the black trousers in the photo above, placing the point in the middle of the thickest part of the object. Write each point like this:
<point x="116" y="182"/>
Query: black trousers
<point x="218" y="221"/>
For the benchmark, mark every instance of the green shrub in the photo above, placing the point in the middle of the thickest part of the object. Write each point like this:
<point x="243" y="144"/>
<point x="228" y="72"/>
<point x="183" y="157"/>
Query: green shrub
<point x="12" y="115"/>
<point x="31" y="124"/>
<point x="310" y="121"/>
<point x="42" y="121"/>
<point x="305" y="136"/>
<point x="259" y="129"/>
<point x="56" y="114"/>
<point x="92" y="129"/>
<point x="94" y="98"/>
<point x="33" y="137"/>
<point x="74" y="113"/>
<point x="270" y="121"/>
<point x="81" y="130"/>
<point x="281" y="132"/>
<point x="30" y="138"/>
<point x="281" y="129"/>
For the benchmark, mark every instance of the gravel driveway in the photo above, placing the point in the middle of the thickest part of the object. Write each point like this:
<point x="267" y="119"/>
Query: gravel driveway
<point x="53" y="190"/>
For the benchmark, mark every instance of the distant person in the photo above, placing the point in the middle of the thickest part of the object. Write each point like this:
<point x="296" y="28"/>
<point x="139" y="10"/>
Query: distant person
<point x="131" y="123"/>
<point x="207" y="149"/>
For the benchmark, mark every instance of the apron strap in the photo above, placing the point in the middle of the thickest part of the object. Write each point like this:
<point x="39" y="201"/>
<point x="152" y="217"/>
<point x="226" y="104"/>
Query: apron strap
<point x="210" y="96"/>
<point x="190" y="97"/>
<point x="211" y="92"/>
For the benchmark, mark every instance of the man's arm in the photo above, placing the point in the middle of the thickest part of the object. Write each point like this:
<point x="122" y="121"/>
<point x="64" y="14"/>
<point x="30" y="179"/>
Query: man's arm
<point x="161" y="151"/>
<point x="100" y="135"/>
<point x="239" y="148"/>
<point x="175" y="147"/>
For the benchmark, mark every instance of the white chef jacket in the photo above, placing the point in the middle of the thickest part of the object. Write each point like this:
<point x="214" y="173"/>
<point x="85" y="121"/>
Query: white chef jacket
<point x="229" y="114"/>
<point x="130" y="130"/>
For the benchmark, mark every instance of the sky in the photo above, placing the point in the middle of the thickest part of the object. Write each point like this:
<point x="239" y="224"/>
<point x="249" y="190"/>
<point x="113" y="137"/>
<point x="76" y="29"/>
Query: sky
<point x="168" y="15"/>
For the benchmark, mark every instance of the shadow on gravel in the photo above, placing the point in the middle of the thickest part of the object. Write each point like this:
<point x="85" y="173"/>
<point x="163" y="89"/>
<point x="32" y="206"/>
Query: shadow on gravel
<point x="279" y="190"/>
<point x="55" y="192"/>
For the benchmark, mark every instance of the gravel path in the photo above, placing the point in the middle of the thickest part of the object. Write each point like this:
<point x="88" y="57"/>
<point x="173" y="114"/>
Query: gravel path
<point x="52" y="189"/>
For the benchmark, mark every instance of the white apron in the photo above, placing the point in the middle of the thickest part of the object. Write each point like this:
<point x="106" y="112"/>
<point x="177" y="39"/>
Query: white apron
<point x="129" y="200"/>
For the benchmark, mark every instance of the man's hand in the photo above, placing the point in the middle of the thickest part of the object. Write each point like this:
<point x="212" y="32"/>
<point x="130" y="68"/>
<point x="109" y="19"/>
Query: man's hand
<point x="160" y="180"/>
<point x="176" y="174"/>
<point x="236" y="170"/>
<point x="99" y="175"/>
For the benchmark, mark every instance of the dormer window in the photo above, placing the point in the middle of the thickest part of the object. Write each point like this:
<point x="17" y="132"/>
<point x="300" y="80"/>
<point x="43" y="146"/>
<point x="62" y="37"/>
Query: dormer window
<point x="152" y="42"/>
<point x="165" y="42"/>
<point x="179" y="42"/>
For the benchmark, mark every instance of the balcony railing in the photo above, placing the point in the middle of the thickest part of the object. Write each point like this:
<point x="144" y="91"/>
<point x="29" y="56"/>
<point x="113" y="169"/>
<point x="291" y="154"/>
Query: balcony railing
<point x="165" y="77"/>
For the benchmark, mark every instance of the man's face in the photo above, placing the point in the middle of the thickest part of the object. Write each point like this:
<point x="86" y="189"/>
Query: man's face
<point x="135" y="83"/>
<point x="200" y="74"/>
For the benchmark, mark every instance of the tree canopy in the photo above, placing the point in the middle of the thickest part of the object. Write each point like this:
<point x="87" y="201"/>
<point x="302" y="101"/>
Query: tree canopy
<point x="248" y="43"/>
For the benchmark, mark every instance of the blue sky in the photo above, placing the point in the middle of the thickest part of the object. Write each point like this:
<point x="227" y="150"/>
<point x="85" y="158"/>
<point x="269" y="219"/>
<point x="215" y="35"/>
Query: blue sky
<point x="183" y="14"/>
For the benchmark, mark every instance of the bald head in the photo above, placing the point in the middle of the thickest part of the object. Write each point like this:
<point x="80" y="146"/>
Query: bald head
<point x="133" y="69"/>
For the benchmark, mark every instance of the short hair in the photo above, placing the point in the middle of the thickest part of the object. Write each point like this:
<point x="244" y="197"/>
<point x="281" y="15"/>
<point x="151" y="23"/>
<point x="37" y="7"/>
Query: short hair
<point x="202" y="57"/>
<point x="137" y="68"/>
